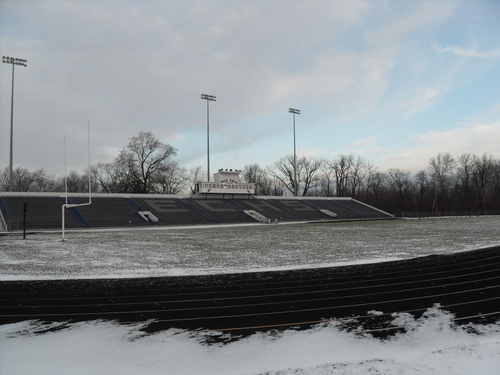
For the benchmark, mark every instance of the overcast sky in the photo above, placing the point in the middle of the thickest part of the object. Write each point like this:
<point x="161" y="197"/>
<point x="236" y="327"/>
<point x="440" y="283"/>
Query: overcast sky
<point x="396" y="82"/>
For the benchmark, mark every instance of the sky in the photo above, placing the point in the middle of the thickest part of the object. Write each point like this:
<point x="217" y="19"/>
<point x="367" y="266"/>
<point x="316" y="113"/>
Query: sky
<point x="396" y="82"/>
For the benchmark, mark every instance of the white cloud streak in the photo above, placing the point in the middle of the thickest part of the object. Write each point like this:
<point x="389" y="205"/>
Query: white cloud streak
<point x="468" y="52"/>
<point x="475" y="138"/>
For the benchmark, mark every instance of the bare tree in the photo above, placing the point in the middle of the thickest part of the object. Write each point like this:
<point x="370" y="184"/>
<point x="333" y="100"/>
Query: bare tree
<point x="144" y="166"/>
<point x="306" y="171"/>
<point x="421" y="187"/>
<point x="400" y="183"/>
<point x="275" y="187"/>
<point x="342" y="166"/>
<point x="170" y="179"/>
<point x="483" y="167"/>
<point x="464" y="179"/>
<point x="263" y="182"/>
<point x="495" y="186"/>
<point x="441" y="170"/>
<point x="195" y="175"/>
<point x="76" y="183"/>
<point x="147" y="154"/>
<point x="26" y="180"/>
<point x="375" y="185"/>
<point x="252" y="173"/>
<point x="22" y="179"/>
<point x="116" y="177"/>
<point x="327" y="180"/>
<point x="283" y="171"/>
<point x="29" y="181"/>
<point x="4" y="179"/>
<point x="358" y="171"/>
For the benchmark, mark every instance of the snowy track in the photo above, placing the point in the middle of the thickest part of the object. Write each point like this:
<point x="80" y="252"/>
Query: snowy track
<point x="465" y="283"/>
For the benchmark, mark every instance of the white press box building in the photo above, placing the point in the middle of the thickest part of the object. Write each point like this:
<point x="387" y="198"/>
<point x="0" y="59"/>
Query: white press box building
<point x="226" y="181"/>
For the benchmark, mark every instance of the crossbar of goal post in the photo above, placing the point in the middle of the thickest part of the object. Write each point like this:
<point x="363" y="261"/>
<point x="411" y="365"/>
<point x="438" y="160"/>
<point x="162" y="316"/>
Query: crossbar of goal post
<point x="70" y="205"/>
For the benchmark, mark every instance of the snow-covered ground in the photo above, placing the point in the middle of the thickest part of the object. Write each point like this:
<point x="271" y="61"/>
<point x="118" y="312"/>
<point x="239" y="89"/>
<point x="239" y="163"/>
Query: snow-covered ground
<point x="432" y="345"/>
<point x="235" y="248"/>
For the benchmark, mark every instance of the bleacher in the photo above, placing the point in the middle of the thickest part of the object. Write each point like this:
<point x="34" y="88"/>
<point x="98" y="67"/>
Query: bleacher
<point x="172" y="211"/>
<point x="223" y="211"/>
<point x="43" y="213"/>
<point x="115" y="210"/>
<point x="269" y="209"/>
<point x="360" y="208"/>
<point x="106" y="212"/>
<point x="348" y="208"/>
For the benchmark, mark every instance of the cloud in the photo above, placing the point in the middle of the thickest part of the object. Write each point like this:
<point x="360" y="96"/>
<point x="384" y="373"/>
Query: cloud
<point x="410" y="17"/>
<point x="420" y="99"/>
<point x="468" y="52"/>
<point x="475" y="138"/>
<point x="366" y="142"/>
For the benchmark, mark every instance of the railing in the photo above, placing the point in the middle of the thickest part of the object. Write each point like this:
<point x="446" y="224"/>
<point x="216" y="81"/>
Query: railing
<point x="222" y="187"/>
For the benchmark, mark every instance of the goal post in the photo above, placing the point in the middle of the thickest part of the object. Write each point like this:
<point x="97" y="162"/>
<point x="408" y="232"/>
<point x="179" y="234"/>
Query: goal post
<point x="71" y="205"/>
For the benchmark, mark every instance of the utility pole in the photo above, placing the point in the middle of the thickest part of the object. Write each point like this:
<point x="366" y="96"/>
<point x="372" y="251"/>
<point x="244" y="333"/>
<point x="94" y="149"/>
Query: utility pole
<point x="208" y="98"/>
<point x="13" y="61"/>
<point x="294" y="112"/>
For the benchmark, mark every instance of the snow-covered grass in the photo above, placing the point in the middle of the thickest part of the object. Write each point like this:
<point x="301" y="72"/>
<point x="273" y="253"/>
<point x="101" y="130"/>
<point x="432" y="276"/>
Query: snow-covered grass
<point x="432" y="345"/>
<point x="243" y="248"/>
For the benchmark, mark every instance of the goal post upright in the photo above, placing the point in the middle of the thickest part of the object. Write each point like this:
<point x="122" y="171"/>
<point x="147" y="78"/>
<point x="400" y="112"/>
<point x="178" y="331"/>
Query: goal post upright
<point x="66" y="204"/>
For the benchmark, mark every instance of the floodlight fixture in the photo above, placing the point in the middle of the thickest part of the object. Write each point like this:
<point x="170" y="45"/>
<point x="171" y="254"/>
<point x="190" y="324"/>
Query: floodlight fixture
<point x="13" y="60"/>
<point x="212" y="98"/>
<point x="208" y="98"/>
<point x="20" y="62"/>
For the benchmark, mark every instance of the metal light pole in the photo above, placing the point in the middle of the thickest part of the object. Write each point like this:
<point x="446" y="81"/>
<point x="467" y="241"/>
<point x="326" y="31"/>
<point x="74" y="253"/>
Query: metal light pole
<point x="294" y="112"/>
<point x="21" y="62"/>
<point x="208" y="98"/>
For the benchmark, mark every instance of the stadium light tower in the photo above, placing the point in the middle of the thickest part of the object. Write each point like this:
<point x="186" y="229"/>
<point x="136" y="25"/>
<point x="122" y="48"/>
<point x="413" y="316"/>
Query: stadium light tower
<point x="208" y="98"/>
<point x="294" y="112"/>
<point x="13" y="61"/>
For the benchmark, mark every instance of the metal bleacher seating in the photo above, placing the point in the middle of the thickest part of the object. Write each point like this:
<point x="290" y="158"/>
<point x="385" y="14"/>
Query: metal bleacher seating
<point x="172" y="211"/>
<point x="108" y="212"/>
<point x="45" y="211"/>
<point x="222" y="210"/>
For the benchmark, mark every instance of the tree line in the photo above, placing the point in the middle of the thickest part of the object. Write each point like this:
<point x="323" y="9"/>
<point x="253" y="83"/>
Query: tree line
<point x="467" y="183"/>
